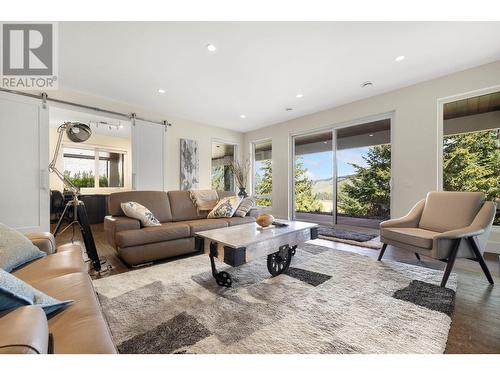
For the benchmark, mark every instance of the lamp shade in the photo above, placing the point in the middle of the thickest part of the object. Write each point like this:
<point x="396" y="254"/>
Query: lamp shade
<point x="78" y="132"/>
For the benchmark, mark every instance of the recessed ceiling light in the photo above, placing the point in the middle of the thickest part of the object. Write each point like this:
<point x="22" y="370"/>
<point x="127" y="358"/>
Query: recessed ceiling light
<point x="370" y="135"/>
<point x="161" y="91"/>
<point x="243" y="116"/>
<point x="211" y="47"/>
<point x="325" y="142"/>
<point x="299" y="96"/>
<point x="288" y="109"/>
<point x="399" y="58"/>
<point x="367" y="84"/>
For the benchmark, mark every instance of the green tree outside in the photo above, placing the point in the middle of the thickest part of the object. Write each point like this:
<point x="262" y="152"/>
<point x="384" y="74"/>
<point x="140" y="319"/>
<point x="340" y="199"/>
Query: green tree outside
<point x="471" y="162"/>
<point x="305" y="199"/>
<point x="264" y="183"/>
<point x="367" y="192"/>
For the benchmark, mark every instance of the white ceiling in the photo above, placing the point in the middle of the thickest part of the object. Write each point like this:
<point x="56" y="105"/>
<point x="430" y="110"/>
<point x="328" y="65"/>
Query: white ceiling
<point x="258" y="67"/>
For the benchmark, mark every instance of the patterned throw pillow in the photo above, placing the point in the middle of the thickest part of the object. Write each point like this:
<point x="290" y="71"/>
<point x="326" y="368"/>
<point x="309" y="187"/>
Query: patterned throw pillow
<point x="15" y="293"/>
<point x="225" y="208"/>
<point x="139" y="212"/>
<point x="16" y="249"/>
<point x="245" y="206"/>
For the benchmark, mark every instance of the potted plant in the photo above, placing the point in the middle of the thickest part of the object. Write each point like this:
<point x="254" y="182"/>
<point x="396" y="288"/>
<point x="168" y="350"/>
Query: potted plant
<point x="240" y="172"/>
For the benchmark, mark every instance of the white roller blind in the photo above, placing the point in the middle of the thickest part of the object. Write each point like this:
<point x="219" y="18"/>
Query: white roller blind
<point x="24" y="154"/>
<point x="148" y="156"/>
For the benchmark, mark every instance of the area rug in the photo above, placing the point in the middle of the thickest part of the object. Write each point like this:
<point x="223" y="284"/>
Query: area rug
<point x="330" y="301"/>
<point x="350" y="237"/>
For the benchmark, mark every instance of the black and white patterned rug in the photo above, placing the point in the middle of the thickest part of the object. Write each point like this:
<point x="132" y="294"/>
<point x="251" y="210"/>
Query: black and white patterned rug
<point x="330" y="301"/>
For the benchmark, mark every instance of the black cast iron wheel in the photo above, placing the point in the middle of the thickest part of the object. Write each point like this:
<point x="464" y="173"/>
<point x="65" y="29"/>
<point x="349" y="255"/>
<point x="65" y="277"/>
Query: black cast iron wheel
<point x="223" y="279"/>
<point x="278" y="262"/>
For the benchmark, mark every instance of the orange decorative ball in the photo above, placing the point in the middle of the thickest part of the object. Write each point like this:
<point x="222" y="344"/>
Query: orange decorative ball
<point x="264" y="220"/>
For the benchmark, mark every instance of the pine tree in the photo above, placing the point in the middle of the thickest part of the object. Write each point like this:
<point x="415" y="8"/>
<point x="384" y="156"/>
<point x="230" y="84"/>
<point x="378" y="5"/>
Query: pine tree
<point x="471" y="162"/>
<point x="264" y="185"/>
<point x="305" y="199"/>
<point x="367" y="192"/>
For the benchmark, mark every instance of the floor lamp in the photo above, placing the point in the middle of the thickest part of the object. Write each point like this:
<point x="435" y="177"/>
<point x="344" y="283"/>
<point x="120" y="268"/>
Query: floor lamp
<point x="76" y="132"/>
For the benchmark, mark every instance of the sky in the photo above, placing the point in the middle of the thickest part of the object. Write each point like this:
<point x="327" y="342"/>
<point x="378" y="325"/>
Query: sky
<point x="319" y="165"/>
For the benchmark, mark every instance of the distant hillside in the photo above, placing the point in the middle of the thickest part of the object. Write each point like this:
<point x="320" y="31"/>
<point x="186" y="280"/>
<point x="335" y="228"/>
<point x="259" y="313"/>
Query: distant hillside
<point x="324" y="186"/>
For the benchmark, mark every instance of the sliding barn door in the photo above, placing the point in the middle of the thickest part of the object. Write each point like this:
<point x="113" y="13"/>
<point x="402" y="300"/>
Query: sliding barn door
<point x="24" y="148"/>
<point x="148" y="156"/>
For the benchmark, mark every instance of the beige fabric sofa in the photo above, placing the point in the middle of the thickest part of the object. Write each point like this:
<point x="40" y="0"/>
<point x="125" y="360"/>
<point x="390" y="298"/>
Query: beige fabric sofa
<point x="444" y="226"/>
<point x="179" y="218"/>
<point x="78" y="328"/>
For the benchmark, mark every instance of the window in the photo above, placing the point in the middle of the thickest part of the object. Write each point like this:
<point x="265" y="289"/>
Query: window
<point x="471" y="146"/>
<point x="222" y="174"/>
<point x="263" y="173"/>
<point x="90" y="168"/>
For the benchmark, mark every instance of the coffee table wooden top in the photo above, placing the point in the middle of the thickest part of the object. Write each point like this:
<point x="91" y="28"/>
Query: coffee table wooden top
<point x="247" y="234"/>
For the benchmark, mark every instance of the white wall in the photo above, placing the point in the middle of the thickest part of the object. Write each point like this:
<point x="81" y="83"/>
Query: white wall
<point x="180" y="128"/>
<point x="415" y="134"/>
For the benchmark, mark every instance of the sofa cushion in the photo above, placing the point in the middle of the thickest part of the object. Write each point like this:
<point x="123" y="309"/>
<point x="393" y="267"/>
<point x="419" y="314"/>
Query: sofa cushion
<point x="81" y="327"/>
<point x="156" y="201"/>
<point x="16" y="249"/>
<point x="69" y="260"/>
<point x="183" y="207"/>
<point x="232" y="221"/>
<point x="226" y="207"/>
<point x="137" y="211"/>
<point x="165" y="232"/>
<point x="449" y="210"/>
<point x="245" y="206"/>
<point x="412" y="236"/>
<point x="205" y="224"/>
<point x="15" y="293"/>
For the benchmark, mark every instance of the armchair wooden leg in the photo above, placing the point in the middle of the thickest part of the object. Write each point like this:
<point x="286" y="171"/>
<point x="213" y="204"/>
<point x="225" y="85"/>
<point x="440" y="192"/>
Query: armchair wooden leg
<point x="382" y="251"/>
<point x="450" y="262"/>
<point x="480" y="259"/>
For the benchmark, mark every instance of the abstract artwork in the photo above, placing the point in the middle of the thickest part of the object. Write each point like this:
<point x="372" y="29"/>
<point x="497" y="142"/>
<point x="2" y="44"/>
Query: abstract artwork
<point x="190" y="164"/>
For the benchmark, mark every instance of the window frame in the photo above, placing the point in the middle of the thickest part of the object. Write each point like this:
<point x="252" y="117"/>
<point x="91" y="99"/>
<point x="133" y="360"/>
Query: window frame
<point x="96" y="149"/>
<point x="440" y="129"/>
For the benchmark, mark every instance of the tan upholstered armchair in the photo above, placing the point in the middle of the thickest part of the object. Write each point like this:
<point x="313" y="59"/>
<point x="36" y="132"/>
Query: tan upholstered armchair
<point x="444" y="226"/>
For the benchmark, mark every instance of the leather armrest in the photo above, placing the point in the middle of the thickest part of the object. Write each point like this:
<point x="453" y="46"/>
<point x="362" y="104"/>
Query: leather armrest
<point x="114" y="224"/>
<point x="44" y="241"/>
<point x="411" y="219"/>
<point x="24" y="331"/>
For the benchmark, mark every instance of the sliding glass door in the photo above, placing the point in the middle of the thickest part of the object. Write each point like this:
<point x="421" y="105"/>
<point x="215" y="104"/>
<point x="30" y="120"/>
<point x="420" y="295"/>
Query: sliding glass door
<point x="313" y="177"/>
<point x="342" y="176"/>
<point x="363" y="174"/>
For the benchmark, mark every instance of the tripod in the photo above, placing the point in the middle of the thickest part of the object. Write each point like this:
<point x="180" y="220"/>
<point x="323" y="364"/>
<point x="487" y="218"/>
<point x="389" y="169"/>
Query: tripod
<point x="81" y="220"/>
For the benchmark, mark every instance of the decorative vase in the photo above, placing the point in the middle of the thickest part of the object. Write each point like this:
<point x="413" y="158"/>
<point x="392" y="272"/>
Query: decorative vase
<point x="242" y="193"/>
<point x="264" y="220"/>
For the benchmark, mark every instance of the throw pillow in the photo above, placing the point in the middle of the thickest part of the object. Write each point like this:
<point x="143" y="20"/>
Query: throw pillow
<point x="16" y="249"/>
<point x="225" y="208"/>
<point x="15" y="293"/>
<point x="245" y="206"/>
<point x="139" y="212"/>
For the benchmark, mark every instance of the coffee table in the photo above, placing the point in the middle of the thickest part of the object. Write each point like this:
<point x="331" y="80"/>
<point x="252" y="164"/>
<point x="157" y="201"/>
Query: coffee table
<point x="243" y="243"/>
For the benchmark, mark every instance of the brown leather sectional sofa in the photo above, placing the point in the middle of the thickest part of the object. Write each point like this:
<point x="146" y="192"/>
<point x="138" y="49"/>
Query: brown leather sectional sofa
<point x="78" y="328"/>
<point x="179" y="217"/>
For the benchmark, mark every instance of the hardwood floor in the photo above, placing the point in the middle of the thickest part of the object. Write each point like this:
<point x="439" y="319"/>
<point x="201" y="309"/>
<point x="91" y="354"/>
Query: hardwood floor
<point x="476" y="320"/>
